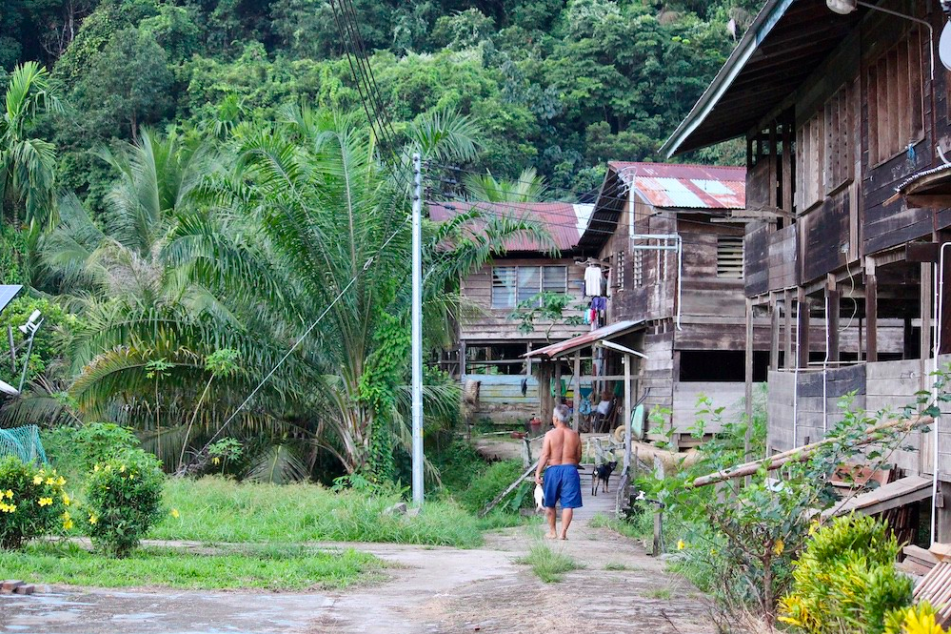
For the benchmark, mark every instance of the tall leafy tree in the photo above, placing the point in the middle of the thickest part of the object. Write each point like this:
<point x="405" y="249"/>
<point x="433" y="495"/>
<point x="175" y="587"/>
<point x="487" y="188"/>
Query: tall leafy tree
<point x="27" y="163"/>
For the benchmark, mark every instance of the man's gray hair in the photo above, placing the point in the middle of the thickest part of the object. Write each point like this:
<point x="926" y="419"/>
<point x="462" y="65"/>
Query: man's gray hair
<point x="562" y="414"/>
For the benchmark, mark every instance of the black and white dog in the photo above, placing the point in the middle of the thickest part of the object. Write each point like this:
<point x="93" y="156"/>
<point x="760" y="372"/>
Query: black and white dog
<point x="602" y="475"/>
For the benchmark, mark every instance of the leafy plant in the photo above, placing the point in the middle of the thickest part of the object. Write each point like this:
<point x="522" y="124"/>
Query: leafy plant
<point x="123" y="501"/>
<point x="545" y="307"/>
<point x="845" y="580"/>
<point x="917" y="619"/>
<point x="33" y="502"/>
<point x="740" y="539"/>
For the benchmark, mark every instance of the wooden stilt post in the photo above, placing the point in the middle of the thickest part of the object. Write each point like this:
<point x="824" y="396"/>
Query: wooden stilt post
<point x="834" y="298"/>
<point x="871" y="312"/>
<point x="627" y="413"/>
<point x="773" y="334"/>
<point x="788" y="361"/>
<point x="576" y="423"/>
<point x="803" y="334"/>
<point x="749" y="377"/>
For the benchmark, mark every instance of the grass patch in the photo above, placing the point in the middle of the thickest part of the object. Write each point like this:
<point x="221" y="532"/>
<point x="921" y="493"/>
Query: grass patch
<point x="548" y="565"/>
<point x="662" y="594"/>
<point x="615" y="566"/>
<point x="631" y="530"/>
<point x="266" y="568"/>
<point x="215" y="510"/>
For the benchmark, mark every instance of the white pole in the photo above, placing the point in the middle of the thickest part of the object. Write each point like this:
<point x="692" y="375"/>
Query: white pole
<point x="417" y="319"/>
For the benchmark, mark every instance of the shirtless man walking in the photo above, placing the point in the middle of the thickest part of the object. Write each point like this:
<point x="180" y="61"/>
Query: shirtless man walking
<point x="561" y="453"/>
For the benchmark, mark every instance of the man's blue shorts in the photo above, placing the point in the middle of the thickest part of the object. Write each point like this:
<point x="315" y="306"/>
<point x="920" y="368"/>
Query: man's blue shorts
<point x="562" y="482"/>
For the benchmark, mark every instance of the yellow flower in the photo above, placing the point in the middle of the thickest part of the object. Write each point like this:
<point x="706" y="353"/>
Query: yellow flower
<point x="68" y="524"/>
<point x="713" y="551"/>
<point x="681" y="545"/>
<point x="175" y="513"/>
<point x="37" y="479"/>
<point x="60" y="481"/>
<point x="132" y="476"/>
<point x="95" y="468"/>
<point x="45" y="501"/>
<point x="778" y="547"/>
<point x="9" y="494"/>
<point x="93" y="519"/>
<point x="216" y="460"/>
<point x="66" y="499"/>
<point x="122" y="469"/>
<point x="50" y="481"/>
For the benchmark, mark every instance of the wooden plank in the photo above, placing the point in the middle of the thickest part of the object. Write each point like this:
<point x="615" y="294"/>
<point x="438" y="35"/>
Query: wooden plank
<point x="888" y="496"/>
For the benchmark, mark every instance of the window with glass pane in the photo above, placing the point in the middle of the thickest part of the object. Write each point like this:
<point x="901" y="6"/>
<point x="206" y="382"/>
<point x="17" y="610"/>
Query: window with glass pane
<point x="529" y="283"/>
<point x="503" y="286"/>
<point x="555" y="279"/>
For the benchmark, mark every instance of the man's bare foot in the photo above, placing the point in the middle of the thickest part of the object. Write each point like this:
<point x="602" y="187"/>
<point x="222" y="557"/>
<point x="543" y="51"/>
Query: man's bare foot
<point x="564" y="537"/>
<point x="551" y="536"/>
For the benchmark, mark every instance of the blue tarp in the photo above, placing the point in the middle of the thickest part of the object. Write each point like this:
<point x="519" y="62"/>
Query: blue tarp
<point x="7" y="293"/>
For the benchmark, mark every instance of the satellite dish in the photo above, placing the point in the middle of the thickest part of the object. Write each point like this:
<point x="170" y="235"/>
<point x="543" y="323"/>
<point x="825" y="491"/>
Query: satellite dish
<point x="944" y="46"/>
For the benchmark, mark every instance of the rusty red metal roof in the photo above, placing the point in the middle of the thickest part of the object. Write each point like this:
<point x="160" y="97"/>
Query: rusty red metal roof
<point x="564" y="221"/>
<point x="686" y="186"/>
<point x="606" y="333"/>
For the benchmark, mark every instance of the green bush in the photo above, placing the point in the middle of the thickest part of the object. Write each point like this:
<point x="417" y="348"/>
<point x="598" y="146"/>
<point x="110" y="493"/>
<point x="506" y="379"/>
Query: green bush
<point x="33" y="502"/>
<point x="74" y="450"/>
<point x="124" y="500"/>
<point x="845" y="580"/>
<point x="483" y="488"/>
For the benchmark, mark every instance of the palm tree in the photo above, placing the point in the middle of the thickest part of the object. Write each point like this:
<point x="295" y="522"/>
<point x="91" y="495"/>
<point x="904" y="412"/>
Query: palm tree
<point x="27" y="164"/>
<point x="332" y="219"/>
<point x="304" y="237"/>
<point x="528" y="187"/>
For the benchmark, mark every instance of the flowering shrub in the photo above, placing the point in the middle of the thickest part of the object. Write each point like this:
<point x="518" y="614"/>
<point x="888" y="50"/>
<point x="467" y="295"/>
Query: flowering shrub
<point x="124" y="500"/>
<point x="845" y="580"/>
<point x="33" y="502"/>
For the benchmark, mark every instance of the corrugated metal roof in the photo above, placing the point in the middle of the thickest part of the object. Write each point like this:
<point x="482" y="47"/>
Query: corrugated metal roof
<point x="563" y="221"/>
<point x="686" y="186"/>
<point x="916" y="179"/>
<point x="7" y="293"/>
<point x="583" y="341"/>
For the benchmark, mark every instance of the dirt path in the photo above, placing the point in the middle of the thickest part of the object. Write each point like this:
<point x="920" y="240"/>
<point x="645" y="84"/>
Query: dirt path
<point x="430" y="590"/>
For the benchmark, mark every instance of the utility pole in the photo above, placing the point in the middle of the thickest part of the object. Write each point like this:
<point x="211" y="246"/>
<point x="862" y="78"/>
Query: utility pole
<point x="417" y="318"/>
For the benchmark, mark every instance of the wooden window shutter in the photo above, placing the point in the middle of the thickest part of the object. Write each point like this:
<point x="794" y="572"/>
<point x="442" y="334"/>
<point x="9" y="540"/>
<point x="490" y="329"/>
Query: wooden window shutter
<point x="730" y="257"/>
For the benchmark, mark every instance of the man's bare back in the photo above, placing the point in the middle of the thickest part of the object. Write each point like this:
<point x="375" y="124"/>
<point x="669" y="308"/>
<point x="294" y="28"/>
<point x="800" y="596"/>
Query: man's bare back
<point x="563" y="447"/>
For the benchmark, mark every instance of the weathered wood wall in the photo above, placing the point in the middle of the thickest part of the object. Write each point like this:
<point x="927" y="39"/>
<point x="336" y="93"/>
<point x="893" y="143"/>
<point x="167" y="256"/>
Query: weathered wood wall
<point x="657" y="372"/>
<point x="801" y="415"/>
<point x="886" y="387"/>
<point x="482" y="323"/>
<point x="730" y="396"/>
